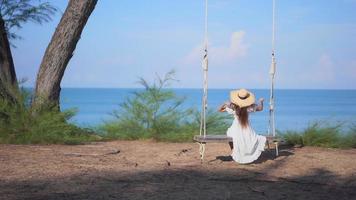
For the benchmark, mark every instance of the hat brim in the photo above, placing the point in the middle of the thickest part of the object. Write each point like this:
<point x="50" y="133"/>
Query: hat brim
<point x="234" y="98"/>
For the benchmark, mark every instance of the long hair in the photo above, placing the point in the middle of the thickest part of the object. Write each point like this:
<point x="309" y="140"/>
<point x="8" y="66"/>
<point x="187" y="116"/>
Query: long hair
<point x="242" y="114"/>
<point x="243" y="117"/>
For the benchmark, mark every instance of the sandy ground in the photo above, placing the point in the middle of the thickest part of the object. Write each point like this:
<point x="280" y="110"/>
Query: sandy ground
<point x="150" y="170"/>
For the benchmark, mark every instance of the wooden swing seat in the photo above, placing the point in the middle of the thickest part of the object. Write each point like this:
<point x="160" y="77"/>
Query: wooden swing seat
<point x="223" y="139"/>
<point x="212" y="139"/>
<point x="202" y="140"/>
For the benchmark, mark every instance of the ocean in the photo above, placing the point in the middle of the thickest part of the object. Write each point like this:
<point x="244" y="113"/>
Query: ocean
<point x="294" y="109"/>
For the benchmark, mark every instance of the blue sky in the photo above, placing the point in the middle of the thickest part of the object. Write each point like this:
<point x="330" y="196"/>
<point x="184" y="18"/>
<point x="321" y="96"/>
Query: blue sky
<point x="127" y="39"/>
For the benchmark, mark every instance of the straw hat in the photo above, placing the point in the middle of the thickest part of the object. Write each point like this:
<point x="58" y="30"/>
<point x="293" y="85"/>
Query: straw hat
<point x="242" y="98"/>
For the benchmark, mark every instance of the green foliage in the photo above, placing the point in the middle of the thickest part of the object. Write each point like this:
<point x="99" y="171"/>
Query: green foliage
<point x="292" y="137"/>
<point x="350" y="138"/>
<point x="155" y="112"/>
<point x="15" y="13"/>
<point x="18" y="125"/>
<point x="216" y="123"/>
<point x="321" y="135"/>
<point x="317" y="135"/>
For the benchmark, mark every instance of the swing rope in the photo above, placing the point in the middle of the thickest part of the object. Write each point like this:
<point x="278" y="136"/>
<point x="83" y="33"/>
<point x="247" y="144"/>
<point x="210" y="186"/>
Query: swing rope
<point x="205" y="76"/>
<point x="271" y="127"/>
<point x="203" y="138"/>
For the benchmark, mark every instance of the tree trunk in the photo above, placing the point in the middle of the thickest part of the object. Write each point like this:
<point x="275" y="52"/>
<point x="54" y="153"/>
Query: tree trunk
<point x="8" y="81"/>
<point x="59" y="52"/>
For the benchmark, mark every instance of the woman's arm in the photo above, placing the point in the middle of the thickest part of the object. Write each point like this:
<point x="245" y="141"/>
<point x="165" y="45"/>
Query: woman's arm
<point x="223" y="107"/>
<point x="260" y="106"/>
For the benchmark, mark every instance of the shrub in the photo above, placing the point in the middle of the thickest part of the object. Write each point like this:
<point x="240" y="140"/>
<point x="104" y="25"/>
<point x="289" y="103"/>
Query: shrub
<point x="155" y="112"/>
<point x="322" y="135"/>
<point x="293" y="138"/>
<point x="216" y="123"/>
<point x="19" y="125"/>
<point x="317" y="135"/>
<point x="350" y="138"/>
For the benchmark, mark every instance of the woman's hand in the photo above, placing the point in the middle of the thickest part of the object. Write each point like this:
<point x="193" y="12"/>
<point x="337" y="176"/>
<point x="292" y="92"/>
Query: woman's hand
<point x="260" y="106"/>
<point x="222" y="108"/>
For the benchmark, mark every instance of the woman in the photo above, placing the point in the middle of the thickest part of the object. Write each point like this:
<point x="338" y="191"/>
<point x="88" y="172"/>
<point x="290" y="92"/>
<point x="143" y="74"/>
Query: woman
<point x="247" y="145"/>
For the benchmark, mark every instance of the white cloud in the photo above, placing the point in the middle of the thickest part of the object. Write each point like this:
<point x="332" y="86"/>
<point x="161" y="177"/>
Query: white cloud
<point x="236" y="49"/>
<point x="220" y="54"/>
<point x="322" y="72"/>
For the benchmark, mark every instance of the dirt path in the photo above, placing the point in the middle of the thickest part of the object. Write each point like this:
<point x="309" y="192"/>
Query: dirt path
<point x="149" y="170"/>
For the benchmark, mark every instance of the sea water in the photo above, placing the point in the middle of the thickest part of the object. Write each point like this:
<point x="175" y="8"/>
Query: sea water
<point x="294" y="109"/>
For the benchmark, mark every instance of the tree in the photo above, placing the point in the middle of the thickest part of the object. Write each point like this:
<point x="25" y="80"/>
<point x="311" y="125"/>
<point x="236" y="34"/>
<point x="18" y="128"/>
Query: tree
<point x="13" y="14"/>
<point x="60" y="51"/>
<point x="8" y="80"/>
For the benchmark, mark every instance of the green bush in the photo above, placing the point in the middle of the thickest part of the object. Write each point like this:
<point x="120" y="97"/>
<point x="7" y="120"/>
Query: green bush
<point x="19" y="125"/>
<point x="323" y="135"/>
<point x="155" y="112"/>
<point x="292" y="137"/>
<point x="350" y="138"/>
<point x="216" y="123"/>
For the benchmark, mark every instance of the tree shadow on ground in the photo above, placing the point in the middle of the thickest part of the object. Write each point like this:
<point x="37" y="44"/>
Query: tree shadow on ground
<point x="285" y="151"/>
<point x="170" y="183"/>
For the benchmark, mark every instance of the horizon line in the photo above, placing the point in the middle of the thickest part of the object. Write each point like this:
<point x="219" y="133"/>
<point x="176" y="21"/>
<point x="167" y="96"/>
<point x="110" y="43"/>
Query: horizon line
<point x="196" y="88"/>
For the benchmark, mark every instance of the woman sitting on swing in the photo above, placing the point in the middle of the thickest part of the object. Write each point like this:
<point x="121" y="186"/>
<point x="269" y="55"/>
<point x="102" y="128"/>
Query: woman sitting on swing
<point x="247" y="146"/>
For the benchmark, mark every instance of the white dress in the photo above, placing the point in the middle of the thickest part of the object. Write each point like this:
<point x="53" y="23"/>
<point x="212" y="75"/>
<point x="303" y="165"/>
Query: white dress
<point x="248" y="146"/>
